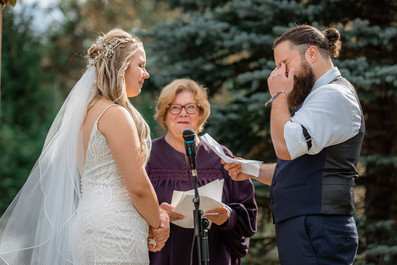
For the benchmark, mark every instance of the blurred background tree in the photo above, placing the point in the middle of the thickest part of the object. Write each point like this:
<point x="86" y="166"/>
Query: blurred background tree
<point x="28" y="102"/>
<point x="225" y="45"/>
<point x="41" y="65"/>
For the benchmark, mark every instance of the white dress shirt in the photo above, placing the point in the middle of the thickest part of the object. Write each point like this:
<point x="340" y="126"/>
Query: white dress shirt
<point x="330" y="113"/>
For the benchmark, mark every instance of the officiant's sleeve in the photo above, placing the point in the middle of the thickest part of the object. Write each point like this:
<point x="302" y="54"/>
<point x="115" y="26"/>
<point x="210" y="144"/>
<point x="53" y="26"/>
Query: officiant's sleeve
<point x="241" y="225"/>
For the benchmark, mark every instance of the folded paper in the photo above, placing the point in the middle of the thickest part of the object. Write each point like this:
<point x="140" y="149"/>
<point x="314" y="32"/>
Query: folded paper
<point x="210" y="198"/>
<point x="250" y="167"/>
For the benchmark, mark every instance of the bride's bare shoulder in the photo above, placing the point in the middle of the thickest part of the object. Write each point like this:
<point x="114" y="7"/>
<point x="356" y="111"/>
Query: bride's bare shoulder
<point x="99" y="107"/>
<point x="113" y="116"/>
<point x="113" y="111"/>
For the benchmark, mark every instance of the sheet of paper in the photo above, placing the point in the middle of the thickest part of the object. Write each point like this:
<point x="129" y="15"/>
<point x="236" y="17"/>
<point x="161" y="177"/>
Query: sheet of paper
<point x="250" y="167"/>
<point x="210" y="198"/>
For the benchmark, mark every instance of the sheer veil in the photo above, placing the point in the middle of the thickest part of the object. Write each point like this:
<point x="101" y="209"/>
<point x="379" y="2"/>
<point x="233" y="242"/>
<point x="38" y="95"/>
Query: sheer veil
<point x="35" y="229"/>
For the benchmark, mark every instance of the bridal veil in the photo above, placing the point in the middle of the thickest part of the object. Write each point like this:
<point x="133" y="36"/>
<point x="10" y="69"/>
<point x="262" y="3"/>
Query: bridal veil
<point x="35" y="229"/>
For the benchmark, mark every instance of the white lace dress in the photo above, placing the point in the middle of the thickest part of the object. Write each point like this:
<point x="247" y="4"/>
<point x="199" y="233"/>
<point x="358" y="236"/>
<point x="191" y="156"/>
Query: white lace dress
<point x="107" y="228"/>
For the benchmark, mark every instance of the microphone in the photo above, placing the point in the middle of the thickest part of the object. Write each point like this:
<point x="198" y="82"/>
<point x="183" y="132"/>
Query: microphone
<point x="190" y="148"/>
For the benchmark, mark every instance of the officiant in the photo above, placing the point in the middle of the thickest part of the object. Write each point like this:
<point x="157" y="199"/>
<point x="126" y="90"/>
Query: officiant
<point x="183" y="104"/>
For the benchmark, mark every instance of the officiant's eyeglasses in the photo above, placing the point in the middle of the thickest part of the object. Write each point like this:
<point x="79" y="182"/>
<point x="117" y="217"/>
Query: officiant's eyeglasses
<point x="175" y="109"/>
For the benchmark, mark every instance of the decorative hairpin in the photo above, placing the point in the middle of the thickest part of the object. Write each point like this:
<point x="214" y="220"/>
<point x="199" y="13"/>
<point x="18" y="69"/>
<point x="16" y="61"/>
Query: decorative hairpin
<point x="108" y="52"/>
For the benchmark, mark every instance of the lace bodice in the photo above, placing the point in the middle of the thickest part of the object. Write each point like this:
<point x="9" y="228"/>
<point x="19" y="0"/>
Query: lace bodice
<point x="108" y="229"/>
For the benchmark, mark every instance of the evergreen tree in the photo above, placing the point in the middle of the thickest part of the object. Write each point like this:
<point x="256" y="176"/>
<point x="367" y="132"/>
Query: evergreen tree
<point x="227" y="46"/>
<point x="27" y="102"/>
<point x="84" y="21"/>
<point x="39" y="70"/>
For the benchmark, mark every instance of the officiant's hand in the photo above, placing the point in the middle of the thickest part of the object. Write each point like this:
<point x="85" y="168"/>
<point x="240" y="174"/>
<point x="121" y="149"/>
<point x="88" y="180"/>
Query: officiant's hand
<point x="234" y="171"/>
<point x="218" y="216"/>
<point x="168" y="208"/>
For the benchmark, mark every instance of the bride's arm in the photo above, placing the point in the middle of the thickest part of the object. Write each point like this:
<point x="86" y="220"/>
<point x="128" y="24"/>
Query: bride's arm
<point x="120" y="131"/>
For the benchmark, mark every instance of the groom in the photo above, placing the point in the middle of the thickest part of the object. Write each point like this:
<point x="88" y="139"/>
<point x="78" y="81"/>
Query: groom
<point x="318" y="148"/>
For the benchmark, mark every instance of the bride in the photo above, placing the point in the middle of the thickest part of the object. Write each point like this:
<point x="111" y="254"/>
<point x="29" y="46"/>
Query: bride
<point x="88" y="199"/>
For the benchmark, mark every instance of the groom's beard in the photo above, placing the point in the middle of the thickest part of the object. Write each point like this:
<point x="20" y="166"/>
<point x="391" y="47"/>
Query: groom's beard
<point x="303" y="85"/>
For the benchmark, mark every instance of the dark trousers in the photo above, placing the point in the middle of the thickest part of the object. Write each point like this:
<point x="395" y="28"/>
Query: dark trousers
<point x="317" y="239"/>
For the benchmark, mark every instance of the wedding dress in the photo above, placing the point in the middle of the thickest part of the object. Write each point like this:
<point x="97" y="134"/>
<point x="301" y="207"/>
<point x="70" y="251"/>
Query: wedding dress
<point x="107" y="228"/>
<point x="52" y="221"/>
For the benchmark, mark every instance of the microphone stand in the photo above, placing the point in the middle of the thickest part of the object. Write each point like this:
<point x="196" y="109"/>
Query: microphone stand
<point x="200" y="225"/>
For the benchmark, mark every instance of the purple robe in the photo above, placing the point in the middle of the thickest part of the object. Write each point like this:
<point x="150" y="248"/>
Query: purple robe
<point x="168" y="171"/>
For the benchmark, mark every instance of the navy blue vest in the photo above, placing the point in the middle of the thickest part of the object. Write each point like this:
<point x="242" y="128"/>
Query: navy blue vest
<point x="318" y="184"/>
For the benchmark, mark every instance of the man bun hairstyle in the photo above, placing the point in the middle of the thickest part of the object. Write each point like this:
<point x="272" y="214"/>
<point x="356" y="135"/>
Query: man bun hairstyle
<point x="334" y="42"/>
<point x="327" y="41"/>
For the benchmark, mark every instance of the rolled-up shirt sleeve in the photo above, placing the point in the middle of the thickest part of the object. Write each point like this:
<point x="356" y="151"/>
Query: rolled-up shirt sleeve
<point x="331" y="114"/>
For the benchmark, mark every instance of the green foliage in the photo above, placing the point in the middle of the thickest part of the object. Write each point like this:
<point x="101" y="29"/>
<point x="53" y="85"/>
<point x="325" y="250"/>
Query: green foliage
<point x="5" y="2"/>
<point x="145" y="103"/>
<point x="227" y="46"/>
<point x="27" y="103"/>
<point x="382" y="249"/>
<point x="192" y="5"/>
<point x="250" y="116"/>
<point x="380" y="160"/>
<point x="39" y="71"/>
